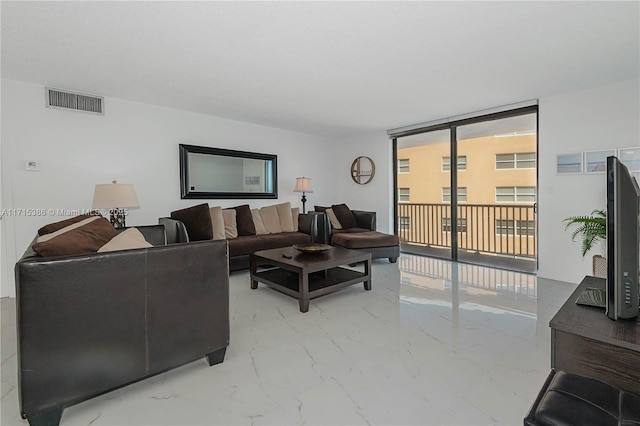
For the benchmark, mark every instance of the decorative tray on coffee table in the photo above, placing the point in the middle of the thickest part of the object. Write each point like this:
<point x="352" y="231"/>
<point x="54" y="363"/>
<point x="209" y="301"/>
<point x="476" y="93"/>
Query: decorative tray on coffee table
<point x="312" y="248"/>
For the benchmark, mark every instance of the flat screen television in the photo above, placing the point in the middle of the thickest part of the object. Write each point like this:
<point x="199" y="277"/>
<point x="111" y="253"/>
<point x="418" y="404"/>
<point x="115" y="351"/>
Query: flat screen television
<point x="623" y="250"/>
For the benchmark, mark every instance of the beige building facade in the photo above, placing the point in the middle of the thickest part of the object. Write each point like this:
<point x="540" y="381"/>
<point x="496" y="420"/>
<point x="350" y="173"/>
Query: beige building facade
<point x="496" y="194"/>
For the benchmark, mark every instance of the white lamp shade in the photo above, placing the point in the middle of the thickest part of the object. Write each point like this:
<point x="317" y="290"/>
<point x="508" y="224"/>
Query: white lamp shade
<point x="303" y="184"/>
<point x="115" y="195"/>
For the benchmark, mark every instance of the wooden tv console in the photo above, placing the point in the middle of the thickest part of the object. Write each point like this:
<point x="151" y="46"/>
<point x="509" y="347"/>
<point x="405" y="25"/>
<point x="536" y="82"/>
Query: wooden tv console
<point x="586" y="342"/>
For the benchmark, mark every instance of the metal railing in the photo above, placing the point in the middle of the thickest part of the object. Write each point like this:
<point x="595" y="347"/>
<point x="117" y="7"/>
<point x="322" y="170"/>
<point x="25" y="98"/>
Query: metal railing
<point x="501" y="229"/>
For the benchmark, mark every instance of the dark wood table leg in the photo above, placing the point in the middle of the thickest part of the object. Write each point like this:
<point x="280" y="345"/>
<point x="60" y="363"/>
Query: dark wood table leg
<point x="253" y="269"/>
<point x="303" y="291"/>
<point x="367" y="272"/>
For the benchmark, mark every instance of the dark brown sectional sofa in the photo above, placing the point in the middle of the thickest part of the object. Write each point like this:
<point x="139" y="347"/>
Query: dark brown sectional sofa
<point x="360" y="234"/>
<point x="241" y="247"/>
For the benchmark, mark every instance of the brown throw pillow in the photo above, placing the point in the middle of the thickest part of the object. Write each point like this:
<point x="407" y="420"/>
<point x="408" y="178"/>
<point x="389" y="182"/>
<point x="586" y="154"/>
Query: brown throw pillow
<point x="197" y="220"/>
<point x="344" y="215"/>
<point x="53" y="227"/>
<point x="244" y="220"/>
<point x="320" y="209"/>
<point x="85" y="239"/>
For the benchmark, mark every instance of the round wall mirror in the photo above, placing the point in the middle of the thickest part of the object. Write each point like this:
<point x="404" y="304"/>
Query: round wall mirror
<point x="363" y="169"/>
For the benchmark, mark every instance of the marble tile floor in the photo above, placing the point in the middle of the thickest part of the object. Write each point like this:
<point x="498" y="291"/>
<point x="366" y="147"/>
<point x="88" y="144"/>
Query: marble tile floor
<point x="434" y="343"/>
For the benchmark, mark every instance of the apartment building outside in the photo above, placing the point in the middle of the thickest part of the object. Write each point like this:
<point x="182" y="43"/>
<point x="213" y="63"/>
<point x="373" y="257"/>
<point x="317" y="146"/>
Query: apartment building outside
<point x="496" y="195"/>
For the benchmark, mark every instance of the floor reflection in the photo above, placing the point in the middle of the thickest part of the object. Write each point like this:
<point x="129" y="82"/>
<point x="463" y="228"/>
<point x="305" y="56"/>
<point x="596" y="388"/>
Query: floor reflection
<point x="469" y="287"/>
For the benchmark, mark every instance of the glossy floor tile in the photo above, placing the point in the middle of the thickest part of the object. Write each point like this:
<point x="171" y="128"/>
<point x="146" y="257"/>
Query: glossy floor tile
<point x="434" y="343"/>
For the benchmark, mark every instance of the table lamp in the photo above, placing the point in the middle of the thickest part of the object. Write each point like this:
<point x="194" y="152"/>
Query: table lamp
<point x="116" y="197"/>
<point x="303" y="185"/>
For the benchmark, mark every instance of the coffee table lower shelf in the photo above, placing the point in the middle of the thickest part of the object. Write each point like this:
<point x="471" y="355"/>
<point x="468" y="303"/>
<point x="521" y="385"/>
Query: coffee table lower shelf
<point x="319" y="283"/>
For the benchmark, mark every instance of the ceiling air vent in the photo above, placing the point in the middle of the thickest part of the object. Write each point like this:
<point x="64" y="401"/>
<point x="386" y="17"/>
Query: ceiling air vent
<point x="74" y="101"/>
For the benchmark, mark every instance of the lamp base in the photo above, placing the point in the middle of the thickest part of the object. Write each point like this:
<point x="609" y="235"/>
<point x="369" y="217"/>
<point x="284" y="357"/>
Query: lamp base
<point x="304" y="200"/>
<point x="117" y="218"/>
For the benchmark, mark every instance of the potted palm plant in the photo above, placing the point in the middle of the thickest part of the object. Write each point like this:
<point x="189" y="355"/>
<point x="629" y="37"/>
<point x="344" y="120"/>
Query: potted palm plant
<point x="592" y="228"/>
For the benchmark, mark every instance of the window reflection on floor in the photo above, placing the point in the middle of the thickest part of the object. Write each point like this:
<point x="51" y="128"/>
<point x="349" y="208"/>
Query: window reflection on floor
<point x="457" y="286"/>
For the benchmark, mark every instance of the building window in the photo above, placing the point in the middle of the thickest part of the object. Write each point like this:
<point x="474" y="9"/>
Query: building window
<point x="403" y="195"/>
<point x="404" y="223"/>
<point x="520" y="227"/>
<point x="520" y="160"/>
<point x="515" y="194"/>
<point x="446" y="225"/>
<point x="462" y="163"/>
<point x="403" y="166"/>
<point x="462" y="195"/>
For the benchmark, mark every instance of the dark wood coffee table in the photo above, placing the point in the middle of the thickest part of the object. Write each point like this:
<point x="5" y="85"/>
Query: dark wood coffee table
<point x="309" y="275"/>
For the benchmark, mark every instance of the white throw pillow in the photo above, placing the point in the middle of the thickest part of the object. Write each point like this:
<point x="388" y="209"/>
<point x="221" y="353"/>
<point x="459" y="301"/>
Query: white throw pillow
<point x="294" y="213"/>
<point x="258" y="223"/>
<point x="285" y="216"/>
<point x="230" y="225"/>
<point x="334" y="219"/>
<point x="130" y="239"/>
<point x="217" y="223"/>
<point x="270" y="219"/>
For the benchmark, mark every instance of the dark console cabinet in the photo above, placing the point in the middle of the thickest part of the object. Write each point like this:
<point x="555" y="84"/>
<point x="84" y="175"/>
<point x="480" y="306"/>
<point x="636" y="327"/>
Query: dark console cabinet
<point x="584" y="341"/>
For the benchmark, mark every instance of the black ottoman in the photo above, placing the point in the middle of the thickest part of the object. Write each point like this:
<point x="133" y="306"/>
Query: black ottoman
<point x="568" y="399"/>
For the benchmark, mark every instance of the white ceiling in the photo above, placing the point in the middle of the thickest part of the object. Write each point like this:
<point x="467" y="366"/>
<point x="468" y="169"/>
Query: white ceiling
<point x="335" y="69"/>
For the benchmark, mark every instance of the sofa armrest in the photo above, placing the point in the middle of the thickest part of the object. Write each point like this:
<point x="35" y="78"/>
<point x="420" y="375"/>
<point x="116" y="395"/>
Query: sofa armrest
<point x="308" y="223"/>
<point x="175" y="230"/>
<point x="364" y="219"/>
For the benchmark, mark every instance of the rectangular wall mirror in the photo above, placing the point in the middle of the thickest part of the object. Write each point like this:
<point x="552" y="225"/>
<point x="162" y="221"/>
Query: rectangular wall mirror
<point x="223" y="173"/>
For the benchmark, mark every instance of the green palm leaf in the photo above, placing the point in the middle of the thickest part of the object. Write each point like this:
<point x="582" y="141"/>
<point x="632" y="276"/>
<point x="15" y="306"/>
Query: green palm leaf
<point x="592" y="228"/>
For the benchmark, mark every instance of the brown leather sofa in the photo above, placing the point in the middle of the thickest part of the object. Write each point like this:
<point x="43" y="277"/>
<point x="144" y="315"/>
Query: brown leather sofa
<point x="91" y="323"/>
<point x="240" y="248"/>
<point x="363" y="237"/>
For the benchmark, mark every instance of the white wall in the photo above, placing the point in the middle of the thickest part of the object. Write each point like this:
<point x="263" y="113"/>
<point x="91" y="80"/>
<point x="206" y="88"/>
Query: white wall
<point x="132" y="143"/>
<point x="376" y="195"/>
<point x="601" y="118"/>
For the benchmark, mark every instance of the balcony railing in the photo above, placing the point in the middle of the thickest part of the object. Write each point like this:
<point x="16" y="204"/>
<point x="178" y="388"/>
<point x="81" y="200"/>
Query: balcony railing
<point x="499" y="229"/>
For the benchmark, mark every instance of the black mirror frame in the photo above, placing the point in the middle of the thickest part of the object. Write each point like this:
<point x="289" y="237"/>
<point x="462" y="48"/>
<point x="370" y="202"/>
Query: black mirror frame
<point x="185" y="193"/>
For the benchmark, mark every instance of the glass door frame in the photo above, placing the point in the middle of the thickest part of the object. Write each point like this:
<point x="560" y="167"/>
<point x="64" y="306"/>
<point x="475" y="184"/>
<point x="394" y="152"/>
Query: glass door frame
<point x="453" y="145"/>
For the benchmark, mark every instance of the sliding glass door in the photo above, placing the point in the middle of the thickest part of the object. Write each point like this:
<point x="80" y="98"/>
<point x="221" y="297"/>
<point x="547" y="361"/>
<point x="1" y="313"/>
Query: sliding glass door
<point x="480" y="208"/>
<point x="424" y="212"/>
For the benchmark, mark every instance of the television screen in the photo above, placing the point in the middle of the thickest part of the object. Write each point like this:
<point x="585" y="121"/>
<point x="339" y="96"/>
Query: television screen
<point x="623" y="251"/>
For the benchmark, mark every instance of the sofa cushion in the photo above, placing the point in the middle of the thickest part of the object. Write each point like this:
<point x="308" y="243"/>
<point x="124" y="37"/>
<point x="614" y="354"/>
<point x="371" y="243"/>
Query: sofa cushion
<point x="369" y="239"/>
<point x="285" y="216"/>
<point x="230" y="224"/>
<point x="244" y="220"/>
<point x="320" y="209"/>
<point x="197" y="220"/>
<point x="126" y="240"/>
<point x="84" y="239"/>
<point x="257" y="222"/>
<point x="217" y="223"/>
<point x="271" y="219"/>
<point x="344" y="216"/>
<point x="52" y="227"/>
<point x="335" y="223"/>
<point x="251" y="244"/>
<point x="47" y="237"/>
